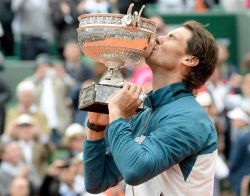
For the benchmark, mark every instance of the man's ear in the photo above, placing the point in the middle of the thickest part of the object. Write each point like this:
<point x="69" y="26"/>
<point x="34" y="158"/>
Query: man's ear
<point x="190" y="61"/>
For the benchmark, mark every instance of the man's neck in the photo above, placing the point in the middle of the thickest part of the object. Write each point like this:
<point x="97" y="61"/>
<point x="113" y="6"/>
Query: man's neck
<point x="25" y="109"/>
<point x="163" y="78"/>
<point x="73" y="63"/>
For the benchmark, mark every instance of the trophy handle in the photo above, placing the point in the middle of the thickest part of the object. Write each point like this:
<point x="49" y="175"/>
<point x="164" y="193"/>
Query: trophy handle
<point x="129" y="12"/>
<point x="134" y="19"/>
<point x="140" y="12"/>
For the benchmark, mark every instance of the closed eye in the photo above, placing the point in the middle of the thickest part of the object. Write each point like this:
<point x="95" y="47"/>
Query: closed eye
<point x="171" y="36"/>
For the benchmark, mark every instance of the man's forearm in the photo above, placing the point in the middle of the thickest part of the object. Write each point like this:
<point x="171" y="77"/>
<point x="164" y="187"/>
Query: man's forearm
<point x="100" y="169"/>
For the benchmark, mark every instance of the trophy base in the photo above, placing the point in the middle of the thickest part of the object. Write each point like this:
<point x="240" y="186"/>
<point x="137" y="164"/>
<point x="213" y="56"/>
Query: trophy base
<point x="94" y="98"/>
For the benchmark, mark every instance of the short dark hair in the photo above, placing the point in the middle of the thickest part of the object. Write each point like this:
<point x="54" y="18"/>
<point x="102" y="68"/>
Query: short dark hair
<point x="202" y="45"/>
<point x="42" y="59"/>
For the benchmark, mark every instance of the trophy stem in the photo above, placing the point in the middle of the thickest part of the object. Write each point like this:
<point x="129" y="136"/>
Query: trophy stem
<point x="113" y="77"/>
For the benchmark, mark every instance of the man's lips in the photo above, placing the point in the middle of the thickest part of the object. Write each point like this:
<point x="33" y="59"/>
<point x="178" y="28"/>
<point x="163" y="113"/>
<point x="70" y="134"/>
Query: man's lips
<point x="156" y="46"/>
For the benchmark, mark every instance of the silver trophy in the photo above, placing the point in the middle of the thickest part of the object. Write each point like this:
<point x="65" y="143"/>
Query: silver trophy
<point x="114" y="40"/>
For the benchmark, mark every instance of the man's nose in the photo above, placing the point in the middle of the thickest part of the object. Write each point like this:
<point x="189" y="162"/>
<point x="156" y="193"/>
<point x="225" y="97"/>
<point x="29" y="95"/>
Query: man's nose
<point x="160" y="39"/>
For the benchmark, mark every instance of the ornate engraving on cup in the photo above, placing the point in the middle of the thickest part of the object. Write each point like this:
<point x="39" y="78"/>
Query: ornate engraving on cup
<point x="112" y="20"/>
<point x="114" y="40"/>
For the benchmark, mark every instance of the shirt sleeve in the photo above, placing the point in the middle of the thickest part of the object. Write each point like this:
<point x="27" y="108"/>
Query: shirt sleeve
<point x="100" y="171"/>
<point x="163" y="147"/>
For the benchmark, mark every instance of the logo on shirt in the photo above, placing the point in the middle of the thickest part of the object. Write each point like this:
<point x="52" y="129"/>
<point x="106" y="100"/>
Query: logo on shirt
<point x="140" y="139"/>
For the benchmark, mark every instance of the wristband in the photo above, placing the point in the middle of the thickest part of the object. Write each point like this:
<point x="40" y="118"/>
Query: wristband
<point x="95" y="128"/>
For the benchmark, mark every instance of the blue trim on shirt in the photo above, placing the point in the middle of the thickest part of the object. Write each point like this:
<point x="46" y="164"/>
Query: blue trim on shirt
<point x="187" y="165"/>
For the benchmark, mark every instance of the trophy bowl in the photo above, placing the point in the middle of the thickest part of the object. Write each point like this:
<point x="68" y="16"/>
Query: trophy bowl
<point x="114" y="40"/>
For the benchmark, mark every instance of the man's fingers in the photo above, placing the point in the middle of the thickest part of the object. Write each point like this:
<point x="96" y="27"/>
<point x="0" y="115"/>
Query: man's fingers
<point x="132" y="89"/>
<point x="126" y="86"/>
<point x="138" y="90"/>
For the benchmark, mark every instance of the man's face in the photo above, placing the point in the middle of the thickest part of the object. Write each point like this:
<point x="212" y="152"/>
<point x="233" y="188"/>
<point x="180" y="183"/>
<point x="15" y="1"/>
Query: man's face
<point x="19" y="187"/>
<point x="170" y="49"/>
<point x="72" y="52"/>
<point x="26" y="98"/>
<point x="67" y="175"/>
<point x="12" y="153"/>
<point x="75" y="143"/>
<point x="25" y="132"/>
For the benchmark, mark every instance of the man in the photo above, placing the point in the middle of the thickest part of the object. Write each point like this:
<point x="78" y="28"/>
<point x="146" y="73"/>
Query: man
<point x="80" y="72"/>
<point x="64" y="14"/>
<point x="5" y="93"/>
<point x="35" y="154"/>
<point x="26" y="95"/>
<point x="73" y="66"/>
<point x="52" y="86"/>
<point x="60" y="179"/>
<point x="20" y="187"/>
<point x="12" y="166"/>
<point x="239" y="159"/>
<point x="6" y="18"/>
<point x="72" y="142"/>
<point x="36" y="30"/>
<point x="170" y="147"/>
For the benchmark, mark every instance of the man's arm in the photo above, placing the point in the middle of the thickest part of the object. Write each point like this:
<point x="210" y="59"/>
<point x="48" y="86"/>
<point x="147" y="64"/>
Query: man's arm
<point x="173" y="140"/>
<point x="167" y="145"/>
<point x="100" y="171"/>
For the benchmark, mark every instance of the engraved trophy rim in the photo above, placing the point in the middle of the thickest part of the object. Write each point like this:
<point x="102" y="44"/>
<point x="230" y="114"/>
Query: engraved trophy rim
<point x="113" y="15"/>
<point x="114" y="26"/>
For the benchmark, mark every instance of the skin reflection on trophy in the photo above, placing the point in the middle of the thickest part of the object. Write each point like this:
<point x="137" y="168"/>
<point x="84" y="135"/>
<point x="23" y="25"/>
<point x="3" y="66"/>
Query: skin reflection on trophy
<point x="114" y="40"/>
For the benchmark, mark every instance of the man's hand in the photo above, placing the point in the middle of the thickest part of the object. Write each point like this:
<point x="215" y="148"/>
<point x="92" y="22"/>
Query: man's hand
<point x="41" y="72"/>
<point x="64" y="7"/>
<point x="125" y="102"/>
<point x="60" y="72"/>
<point x="24" y="172"/>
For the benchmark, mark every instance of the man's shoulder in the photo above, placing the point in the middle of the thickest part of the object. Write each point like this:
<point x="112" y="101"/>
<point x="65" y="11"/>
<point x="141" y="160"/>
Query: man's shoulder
<point x="13" y="110"/>
<point x="184" y="108"/>
<point x="4" y="175"/>
<point x="188" y="117"/>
